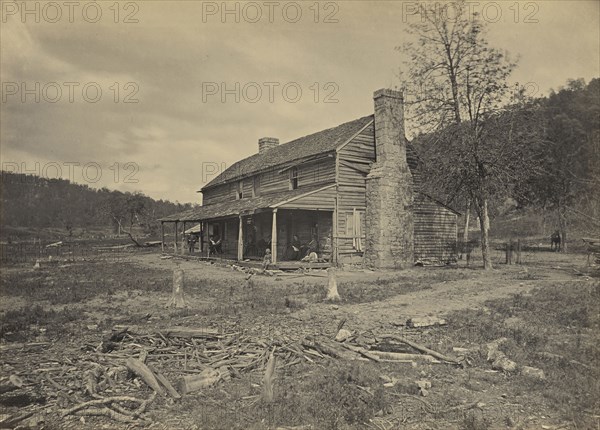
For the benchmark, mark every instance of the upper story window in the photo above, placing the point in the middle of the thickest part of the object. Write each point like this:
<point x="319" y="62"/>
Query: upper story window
<point x="293" y="178"/>
<point x="255" y="186"/>
<point x="239" y="194"/>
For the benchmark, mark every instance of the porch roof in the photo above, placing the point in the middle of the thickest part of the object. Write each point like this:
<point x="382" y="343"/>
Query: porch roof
<point x="242" y="206"/>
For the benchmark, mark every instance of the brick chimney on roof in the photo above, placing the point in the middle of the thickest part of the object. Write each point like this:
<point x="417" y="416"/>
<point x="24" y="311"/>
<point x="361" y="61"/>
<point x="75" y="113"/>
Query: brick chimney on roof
<point x="389" y="214"/>
<point x="266" y="143"/>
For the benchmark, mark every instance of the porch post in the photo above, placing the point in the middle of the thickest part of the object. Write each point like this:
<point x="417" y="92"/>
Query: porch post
<point x="240" y="249"/>
<point x="274" y="237"/>
<point x="175" y="242"/>
<point x="183" y="238"/>
<point x="162" y="236"/>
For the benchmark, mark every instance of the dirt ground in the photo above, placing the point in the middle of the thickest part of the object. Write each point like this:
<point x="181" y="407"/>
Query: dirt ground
<point x="59" y="316"/>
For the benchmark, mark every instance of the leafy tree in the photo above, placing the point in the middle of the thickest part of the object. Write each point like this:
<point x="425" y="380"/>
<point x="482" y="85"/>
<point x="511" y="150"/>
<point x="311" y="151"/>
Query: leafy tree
<point x="569" y="155"/>
<point x="455" y="87"/>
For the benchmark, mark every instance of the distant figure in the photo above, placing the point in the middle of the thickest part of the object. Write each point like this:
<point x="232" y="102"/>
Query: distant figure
<point x="555" y="241"/>
<point x="267" y="259"/>
<point x="215" y="244"/>
<point x="191" y="240"/>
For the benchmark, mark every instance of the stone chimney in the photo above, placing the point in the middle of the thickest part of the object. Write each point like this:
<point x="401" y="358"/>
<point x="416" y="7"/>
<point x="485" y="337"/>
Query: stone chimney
<point x="389" y="214"/>
<point x="266" y="143"/>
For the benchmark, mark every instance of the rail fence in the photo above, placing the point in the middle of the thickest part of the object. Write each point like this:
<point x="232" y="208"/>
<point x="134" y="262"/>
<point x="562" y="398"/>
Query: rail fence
<point x="19" y="253"/>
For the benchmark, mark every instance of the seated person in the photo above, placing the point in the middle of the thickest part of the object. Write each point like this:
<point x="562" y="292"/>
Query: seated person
<point x="294" y="250"/>
<point x="262" y="244"/>
<point x="215" y="244"/>
<point x="310" y="247"/>
<point x="267" y="259"/>
<point x="312" y="257"/>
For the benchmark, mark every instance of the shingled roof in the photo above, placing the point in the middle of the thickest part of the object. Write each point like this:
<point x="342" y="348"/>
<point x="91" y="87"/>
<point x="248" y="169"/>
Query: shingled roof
<point x="313" y="144"/>
<point x="236" y="207"/>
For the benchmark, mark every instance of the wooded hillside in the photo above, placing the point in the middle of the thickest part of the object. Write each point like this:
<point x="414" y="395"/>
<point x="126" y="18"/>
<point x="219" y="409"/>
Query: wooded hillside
<point x="34" y="202"/>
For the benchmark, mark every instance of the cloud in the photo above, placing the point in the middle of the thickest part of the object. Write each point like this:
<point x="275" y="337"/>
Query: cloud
<point x="166" y="60"/>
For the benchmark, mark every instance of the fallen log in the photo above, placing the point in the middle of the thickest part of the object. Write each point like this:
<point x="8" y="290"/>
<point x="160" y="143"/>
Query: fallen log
<point x="187" y="332"/>
<point x="424" y="349"/>
<point x="362" y="351"/>
<point x="12" y="420"/>
<point x="204" y="379"/>
<point x="140" y="369"/>
<point x="100" y="402"/>
<point x="166" y="383"/>
<point x="403" y="357"/>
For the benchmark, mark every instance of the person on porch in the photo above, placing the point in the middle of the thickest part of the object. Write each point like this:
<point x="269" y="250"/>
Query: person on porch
<point x="191" y="240"/>
<point x="215" y="244"/>
<point x="294" y="250"/>
<point x="267" y="259"/>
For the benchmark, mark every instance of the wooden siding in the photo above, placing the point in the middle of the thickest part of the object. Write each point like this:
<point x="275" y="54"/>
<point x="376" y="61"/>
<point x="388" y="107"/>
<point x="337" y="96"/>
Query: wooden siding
<point x="275" y="180"/>
<point x="435" y="231"/>
<point x="320" y="200"/>
<point x="354" y="163"/>
<point x="218" y="194"/>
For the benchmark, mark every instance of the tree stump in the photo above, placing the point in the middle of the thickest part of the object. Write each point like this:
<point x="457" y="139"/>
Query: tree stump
<point x="177" y="299"/>
<point x="332" y="291"/>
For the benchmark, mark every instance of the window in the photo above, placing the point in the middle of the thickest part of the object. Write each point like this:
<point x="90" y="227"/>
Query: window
<point x="293" y="178"/>
<point x="240" y="190"/>
<point x="255" y="186"/>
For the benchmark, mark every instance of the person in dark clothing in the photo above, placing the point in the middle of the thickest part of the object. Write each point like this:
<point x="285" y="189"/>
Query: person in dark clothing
<point x="191" y="240"/>
<point x="215" y="244"/>
<point x="294" y="251"/>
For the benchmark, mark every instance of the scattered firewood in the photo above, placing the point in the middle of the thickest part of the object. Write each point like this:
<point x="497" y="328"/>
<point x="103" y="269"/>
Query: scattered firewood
<point x="11" y="421"/>
<point x="343" y="335"/>
<point x="420" y="322"/>
<point x="424" y="349"/>
<point x="188" y="332"/>
<point x="140" y="369"/>
<point x="362" y="351"/>
<point x="166" y="383"/>
<point x="403" y="357"/>
<point x="91" y="408"/>
<point x="206" y="378"/>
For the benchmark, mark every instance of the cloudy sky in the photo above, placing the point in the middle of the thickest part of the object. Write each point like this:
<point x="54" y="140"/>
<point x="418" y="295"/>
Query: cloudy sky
<point x="157" y="96"/>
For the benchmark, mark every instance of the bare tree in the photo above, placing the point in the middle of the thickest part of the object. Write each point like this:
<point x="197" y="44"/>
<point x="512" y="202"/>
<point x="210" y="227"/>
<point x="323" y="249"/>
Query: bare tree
<point x="453" y="82"/>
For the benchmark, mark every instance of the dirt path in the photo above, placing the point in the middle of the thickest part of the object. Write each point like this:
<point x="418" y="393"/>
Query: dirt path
<point x="439" y="298"/>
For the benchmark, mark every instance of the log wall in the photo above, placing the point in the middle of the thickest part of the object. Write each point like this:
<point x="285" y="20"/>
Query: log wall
<point x="435" y="231"/>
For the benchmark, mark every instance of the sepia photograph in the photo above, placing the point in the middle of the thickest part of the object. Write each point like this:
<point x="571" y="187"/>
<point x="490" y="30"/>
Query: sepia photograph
<point x="300" y="215"/>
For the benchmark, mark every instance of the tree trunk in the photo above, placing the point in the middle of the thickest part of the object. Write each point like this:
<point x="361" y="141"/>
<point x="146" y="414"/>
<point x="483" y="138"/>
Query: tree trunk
<point x="467" y="219"/>
<point x="562" y="225"/>
<point x="484" y="224"/>
<point x="332" y="291"/>
<point x="177" y="296"/>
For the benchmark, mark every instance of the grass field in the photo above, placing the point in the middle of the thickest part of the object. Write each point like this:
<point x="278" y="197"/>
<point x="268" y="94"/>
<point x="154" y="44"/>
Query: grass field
<point x="56" y="319"/>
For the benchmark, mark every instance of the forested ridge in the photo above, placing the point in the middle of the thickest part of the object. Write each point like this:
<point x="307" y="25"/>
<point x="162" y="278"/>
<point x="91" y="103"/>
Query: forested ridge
<point x="36" y="202"/>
